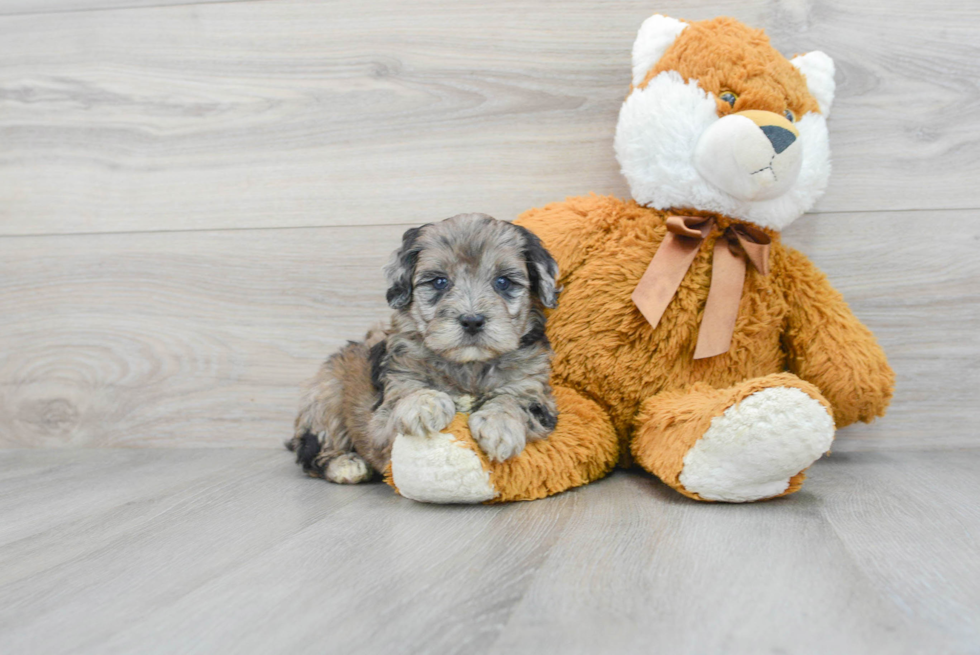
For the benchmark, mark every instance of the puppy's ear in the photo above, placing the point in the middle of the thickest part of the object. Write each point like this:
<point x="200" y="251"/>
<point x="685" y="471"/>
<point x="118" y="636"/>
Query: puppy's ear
<point x="542" y="269"/>
<point x="401" y="268"/>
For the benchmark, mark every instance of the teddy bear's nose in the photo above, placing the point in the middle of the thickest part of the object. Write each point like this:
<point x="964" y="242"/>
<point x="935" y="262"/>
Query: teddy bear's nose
<point x="779" y="137"/>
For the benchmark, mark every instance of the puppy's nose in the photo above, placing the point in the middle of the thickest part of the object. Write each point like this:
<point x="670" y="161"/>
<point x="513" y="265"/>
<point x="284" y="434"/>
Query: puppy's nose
<point x="779" y="137"/>
<point x="472" y="323"/>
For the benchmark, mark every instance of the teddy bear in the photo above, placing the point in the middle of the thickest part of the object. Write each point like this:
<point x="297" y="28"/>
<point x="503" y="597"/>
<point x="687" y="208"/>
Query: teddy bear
<point x="688" y="339"/>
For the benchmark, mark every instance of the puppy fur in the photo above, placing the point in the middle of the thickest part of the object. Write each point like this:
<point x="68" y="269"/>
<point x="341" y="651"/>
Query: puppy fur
<point x="467" y="335"/>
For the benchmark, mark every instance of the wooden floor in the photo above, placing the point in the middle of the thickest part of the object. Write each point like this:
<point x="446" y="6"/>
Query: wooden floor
<point x="234" y="551"/>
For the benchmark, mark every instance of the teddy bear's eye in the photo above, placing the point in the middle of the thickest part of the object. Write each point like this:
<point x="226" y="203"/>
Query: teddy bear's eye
<point x="729" y="97"/>
<point x="790" y="116"/>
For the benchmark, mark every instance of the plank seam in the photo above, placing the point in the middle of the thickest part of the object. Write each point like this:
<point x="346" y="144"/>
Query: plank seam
<point x="261" y="228"/>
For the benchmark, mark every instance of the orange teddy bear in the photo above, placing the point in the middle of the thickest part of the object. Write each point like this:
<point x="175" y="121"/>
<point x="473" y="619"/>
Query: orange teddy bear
<point x="689" y="340"/>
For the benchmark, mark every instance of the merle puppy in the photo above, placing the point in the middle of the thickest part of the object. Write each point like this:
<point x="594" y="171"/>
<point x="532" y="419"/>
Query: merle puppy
<point x="467" y="335"/>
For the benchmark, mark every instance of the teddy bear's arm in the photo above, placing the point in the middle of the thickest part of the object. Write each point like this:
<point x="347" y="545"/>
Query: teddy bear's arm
<point x="828" y="346"/>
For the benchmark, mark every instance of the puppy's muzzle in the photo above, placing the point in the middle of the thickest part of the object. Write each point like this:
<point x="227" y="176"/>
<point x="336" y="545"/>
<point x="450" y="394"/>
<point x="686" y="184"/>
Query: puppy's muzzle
<point x="472" y="323"/>
<point x="751" y="155"/>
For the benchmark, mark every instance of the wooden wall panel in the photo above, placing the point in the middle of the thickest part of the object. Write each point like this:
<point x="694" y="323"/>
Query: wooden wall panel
<point x="176" y="339"/>
<point x="196" y="197"/>
<point x="15" y="7"/>
<point x="275" y="114"/>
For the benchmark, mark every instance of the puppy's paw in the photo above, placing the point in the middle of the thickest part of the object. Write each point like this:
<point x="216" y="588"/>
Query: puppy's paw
<point x="424" y="412"/>
<point x="543" y="417"/>
<point x="349" y="468"/>
<point x="500" y="431"/>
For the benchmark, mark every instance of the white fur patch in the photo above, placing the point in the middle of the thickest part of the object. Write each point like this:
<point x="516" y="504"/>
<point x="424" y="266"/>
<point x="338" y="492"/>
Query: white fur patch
<point x="348" y="468"/>
<point x="818" y="69"/>
<point x="656" y="138"/>
<point x="752" y="450"/>
<point x="656" y="35"/>
<point x="464" y="403"/>
<point x="434" y="469"/>
<point x="736" y="156"/>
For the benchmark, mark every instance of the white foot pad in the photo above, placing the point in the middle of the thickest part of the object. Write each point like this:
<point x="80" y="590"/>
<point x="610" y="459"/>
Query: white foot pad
<point x="752" y="450"/>
<point x="348" y="468"/>
<point x="435" y="469"/>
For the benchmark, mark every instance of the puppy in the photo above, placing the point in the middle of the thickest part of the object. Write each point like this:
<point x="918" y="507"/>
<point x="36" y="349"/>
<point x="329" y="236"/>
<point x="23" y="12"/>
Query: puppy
<point x="467" y="335"/>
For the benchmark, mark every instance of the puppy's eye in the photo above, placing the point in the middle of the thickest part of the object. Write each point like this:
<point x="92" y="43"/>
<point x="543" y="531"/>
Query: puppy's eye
<point x="729" y="97"/>
<point x="439" y="283"/>
<point x="790" y="116"/>
<point x="501" y="283"/>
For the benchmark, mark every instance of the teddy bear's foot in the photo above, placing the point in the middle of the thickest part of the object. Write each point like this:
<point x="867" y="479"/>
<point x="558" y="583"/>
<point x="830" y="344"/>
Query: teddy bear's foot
<point x="440" y="468"/>
<point x="744" y="443"/>
<point x="758" y="446"/>
<point x="450" y="467"/>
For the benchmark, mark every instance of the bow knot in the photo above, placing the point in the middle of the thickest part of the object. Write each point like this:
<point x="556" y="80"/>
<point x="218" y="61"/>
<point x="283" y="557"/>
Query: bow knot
<point x="751" y="242"/>
<point x="739" y="244"/>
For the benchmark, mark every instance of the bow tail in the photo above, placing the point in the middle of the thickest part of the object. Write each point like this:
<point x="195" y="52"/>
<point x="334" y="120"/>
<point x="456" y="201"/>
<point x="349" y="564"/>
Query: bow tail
<point x="721" y="308"/>
<point x="664" y="274"/>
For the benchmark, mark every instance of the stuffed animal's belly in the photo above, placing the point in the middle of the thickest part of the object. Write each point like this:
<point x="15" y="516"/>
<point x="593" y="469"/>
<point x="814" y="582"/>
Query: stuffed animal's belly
<point x="604" y="345"/>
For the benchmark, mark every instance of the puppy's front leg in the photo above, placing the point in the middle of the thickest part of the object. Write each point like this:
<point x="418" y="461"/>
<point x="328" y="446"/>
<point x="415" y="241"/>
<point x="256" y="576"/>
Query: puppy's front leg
<point x="424" y="411"/>
<point x="409" y="408"/>
<point x="419" y="412"/>
<point x="500" y="427"/>
<point x="505" y="423"/>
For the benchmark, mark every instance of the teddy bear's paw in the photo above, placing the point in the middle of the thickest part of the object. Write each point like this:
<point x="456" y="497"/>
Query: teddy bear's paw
<point x="753" y="450"/>
<point x="439" y="468"/>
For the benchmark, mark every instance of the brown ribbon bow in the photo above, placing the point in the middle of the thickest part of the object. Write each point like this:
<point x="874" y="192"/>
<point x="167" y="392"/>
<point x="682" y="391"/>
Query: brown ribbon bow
<point x="675" y="255"/>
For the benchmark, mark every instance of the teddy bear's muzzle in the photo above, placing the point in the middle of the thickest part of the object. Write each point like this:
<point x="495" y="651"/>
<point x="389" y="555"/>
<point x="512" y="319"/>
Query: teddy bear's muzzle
<point x="751" y="155"/>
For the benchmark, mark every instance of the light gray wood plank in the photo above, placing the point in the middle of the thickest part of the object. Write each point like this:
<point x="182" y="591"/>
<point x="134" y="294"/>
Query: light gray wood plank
<point x="113" y="494"/>
<point x="137" y="477"/>
<point x="203" y="338"/>
<point x="877" y="554"/>
<point x="918" y="290"/>
<point x="644" y="571"/>
<point x="248" y="515"/>
<point x="196" y="338"/>
<point x="19" y="7"/>
<point x="300" y="113"/>
<point x="890" y="496"/>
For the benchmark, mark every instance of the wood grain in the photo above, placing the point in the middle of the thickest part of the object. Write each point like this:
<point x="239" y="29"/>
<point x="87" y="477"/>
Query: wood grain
<point x="177" y="338"/>
<point x="15" y="7"/>
<point x="237" y="552"/>
<point x="914" y="279"/>
<point x="262" y="114"/>
<point x="203" y="338"/>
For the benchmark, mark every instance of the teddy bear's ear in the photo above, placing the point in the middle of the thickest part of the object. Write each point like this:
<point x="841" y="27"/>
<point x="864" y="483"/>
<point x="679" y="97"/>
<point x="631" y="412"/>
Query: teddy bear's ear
<point x="656" y="35"/>
<point x="818" y="69"/>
